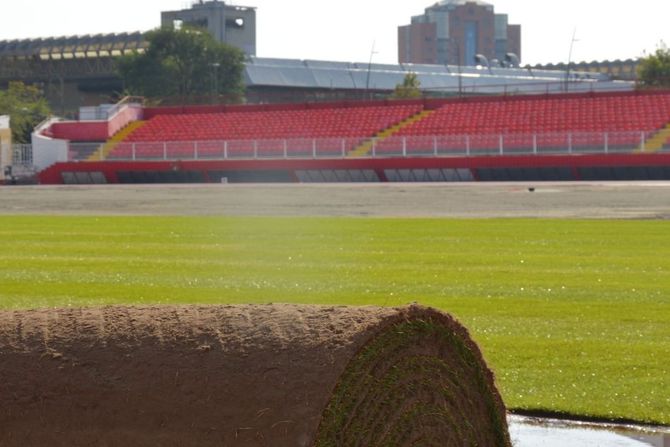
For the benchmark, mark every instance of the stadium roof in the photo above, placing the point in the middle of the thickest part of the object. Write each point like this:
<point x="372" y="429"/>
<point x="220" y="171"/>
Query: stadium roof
<point x="463" y="2"/>
<point x="310" y="74"/>
<point x="74" y="47"/>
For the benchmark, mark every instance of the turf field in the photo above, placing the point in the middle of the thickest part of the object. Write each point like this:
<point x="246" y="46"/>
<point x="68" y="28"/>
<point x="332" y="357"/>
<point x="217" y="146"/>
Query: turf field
<point x="573" y="315"/>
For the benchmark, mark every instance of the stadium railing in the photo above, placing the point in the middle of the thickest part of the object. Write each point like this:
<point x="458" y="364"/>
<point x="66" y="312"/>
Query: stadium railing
<point x="553" y="143"/>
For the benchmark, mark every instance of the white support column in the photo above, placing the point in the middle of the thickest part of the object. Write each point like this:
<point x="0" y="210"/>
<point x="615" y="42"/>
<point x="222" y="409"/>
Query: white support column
<point x="255" y="149"/>
<point x="500" y="143"/>
<point x="164" y="150"/>
<point x="195" y="150"/>
<point x="435" y="145"/>
<point x="225" y="150"/>
<point x="404" y="146"/>
<point x="374" y="147"/>
<point x="314" y="148"/>
<point x="344" y="148"/>
<point x="535" y="143"/>
<point x="606" y="142"/>
<point x="467" y="145"/>
<point x="643" y="142"/>
<point x="134" y="151"/>
<point x="285" y="149"/>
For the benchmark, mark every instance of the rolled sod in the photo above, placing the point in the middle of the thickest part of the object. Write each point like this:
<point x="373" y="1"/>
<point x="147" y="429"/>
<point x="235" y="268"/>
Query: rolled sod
<point x="271" y="375"/>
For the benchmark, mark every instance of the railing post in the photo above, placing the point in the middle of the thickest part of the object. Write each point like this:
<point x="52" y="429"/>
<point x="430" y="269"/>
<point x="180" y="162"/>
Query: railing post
<point x="195" y="150"/>
<point x="285" y="149"/>
<point x="606" y="142"/>
<point x="535" y="143"/>
<point x="134" y="152"/>
<point x="164" y="150"/>
<point x="570" y="142"/>
<point x="314" y="148"/>
<point x="225" y="150"/>
<point x="500" y="143"/>
<point x="255" y="149"/>
<point x="374" y="147"/>
<point x="435" y="145"/>
<point x="344" y="148"/>
<point x="102" y="152"/>
<point x="404" y="146"/>
<point x="643" y="142"/>
<point x="467" y="145"/>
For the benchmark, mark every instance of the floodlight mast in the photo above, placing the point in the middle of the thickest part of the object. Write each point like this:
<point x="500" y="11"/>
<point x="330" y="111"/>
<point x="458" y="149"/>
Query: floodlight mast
<point x="367" y="80"/>
<point x="567" y="69"/>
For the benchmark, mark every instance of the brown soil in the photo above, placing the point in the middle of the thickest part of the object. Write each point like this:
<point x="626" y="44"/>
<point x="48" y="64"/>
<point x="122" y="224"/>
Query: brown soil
<point x="240" y="376"/>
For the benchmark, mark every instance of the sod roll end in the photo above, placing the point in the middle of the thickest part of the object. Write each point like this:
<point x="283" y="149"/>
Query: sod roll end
<point x="274" y="375"/>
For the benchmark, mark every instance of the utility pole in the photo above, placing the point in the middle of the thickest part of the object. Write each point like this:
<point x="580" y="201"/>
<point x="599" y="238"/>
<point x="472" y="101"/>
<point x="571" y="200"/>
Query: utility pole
<point x="567" y="70"/>
<point x="367" y="81"/>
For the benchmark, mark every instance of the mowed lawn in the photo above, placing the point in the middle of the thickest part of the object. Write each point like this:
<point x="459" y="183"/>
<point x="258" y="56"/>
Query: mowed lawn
<point x="573" y="316"/>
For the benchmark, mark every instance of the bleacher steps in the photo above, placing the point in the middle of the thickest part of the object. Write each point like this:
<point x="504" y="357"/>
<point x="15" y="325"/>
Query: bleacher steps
<point x="656" y="142"/>
<point x="364" y="148"/>
<point x="117" y="138"/>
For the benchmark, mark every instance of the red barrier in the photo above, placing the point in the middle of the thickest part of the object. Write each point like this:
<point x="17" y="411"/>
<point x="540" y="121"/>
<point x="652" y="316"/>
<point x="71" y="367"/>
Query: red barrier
<point x="52" y="175"/>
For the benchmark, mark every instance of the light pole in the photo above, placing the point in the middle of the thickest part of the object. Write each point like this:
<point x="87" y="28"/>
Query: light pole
<point x="215" y="80"/>
<point x="457" y="45"/>
<point x="567" y="69"/>
<point x="367" y="80"/>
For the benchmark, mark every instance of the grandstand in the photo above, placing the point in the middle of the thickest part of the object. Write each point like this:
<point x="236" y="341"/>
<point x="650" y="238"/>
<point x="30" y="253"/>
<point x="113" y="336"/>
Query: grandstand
<point x="544" y="137"/>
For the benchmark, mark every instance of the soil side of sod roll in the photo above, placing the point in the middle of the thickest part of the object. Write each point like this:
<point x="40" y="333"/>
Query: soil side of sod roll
<point x="271" y="375"/>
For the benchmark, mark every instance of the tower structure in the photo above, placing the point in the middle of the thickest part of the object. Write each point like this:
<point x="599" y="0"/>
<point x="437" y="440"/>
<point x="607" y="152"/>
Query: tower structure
<point x="233" y="25"/>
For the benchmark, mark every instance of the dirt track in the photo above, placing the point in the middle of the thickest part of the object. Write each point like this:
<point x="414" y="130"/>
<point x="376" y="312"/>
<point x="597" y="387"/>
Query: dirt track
<point x="649" y="200"/>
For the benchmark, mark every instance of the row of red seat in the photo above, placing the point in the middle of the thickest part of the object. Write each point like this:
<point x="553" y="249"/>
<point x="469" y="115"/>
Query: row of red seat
<point x="516" y="118"/>
<point x="593" y="114"/>
<point x="309" y="123"/>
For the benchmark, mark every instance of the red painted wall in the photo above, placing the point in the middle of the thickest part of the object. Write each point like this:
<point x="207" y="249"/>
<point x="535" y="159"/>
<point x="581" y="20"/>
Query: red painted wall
<point x="52" y="175"/>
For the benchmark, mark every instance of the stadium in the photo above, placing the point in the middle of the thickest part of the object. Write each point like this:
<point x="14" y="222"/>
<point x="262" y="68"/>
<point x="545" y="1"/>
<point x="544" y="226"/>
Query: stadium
<point x="301" y="269"/>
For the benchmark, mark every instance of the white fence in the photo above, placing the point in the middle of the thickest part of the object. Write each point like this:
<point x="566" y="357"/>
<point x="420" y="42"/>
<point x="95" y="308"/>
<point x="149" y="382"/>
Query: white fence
<point x="22" y="155"/>
<point x="397" y="146"/>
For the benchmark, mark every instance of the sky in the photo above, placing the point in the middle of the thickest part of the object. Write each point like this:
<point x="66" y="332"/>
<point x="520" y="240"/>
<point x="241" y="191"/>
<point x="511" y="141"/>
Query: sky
<point x="360" y="30"/>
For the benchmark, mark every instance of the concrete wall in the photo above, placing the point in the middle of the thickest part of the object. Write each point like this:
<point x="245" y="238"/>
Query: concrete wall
<point x="233" y="25"/>
<point x="96" y="130"/>
<point x="46" y="150"/>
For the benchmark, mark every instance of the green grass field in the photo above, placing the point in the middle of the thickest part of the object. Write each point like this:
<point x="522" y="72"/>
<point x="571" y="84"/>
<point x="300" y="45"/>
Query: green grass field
<point x="573" y="316"/>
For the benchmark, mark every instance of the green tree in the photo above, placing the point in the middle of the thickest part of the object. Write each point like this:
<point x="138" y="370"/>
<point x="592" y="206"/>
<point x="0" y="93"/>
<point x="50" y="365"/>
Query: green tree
<point x="410" y="87"/>
<point x="654" y="70"/>
<point x="26" y="107"/>
<point x="186" y="63"/>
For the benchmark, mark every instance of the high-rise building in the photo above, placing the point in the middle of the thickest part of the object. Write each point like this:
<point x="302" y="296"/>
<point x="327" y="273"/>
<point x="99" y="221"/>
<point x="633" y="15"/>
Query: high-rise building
<point x="455" y="31"/>
<point x="234" y="25"/>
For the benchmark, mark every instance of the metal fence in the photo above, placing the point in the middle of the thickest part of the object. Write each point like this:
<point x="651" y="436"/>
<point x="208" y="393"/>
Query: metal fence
<point x="396" y="146"/>
<point x="22" y="155"/>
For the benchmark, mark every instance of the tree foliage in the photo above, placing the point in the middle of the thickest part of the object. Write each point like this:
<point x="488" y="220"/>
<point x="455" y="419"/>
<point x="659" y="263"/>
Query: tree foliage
<point x="410" y="87"/>
<point x="654" y="70"/>
<point x="26" y="107"/>
<point x="186" y="63"/>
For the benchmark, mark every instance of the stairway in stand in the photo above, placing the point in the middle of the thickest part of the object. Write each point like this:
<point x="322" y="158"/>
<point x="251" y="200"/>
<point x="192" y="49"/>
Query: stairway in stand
<point x="364" y="148"/>
<point x="656" y="142"/>
<point x="109" y="146"/>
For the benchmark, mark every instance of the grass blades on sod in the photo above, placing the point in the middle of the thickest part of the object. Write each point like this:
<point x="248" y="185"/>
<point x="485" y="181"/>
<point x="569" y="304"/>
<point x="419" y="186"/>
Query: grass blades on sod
<point x="573" y="316"/>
